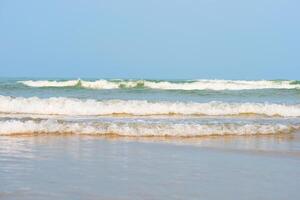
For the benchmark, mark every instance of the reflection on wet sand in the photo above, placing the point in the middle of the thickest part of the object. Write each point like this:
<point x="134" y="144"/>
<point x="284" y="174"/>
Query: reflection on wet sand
<point x="34" y="167"/>
<point x="279" y="144"/>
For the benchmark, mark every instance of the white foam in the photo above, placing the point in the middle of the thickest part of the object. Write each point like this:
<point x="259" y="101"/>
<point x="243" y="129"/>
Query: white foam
<point x="99" y="84"/>
<point x="45" y="83"/>
<point x="70" y="106"/>
<point x="167" y="85"/>
<point x="140" y="129"/>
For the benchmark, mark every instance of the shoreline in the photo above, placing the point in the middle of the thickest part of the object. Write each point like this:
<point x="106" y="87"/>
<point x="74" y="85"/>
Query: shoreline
<point x="272" y="145"/>
<point x="88" y="167"/>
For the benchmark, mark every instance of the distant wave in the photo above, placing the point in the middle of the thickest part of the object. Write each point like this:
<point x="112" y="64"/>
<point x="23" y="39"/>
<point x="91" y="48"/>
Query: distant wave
<point x="9" y="127"/>
<point x="168" y="85"/>
<point x="69" y="83"/>
<point x="72" y="106"/>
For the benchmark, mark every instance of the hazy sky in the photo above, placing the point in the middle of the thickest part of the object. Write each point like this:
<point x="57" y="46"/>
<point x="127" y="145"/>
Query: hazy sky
<point x="230" y="39"/>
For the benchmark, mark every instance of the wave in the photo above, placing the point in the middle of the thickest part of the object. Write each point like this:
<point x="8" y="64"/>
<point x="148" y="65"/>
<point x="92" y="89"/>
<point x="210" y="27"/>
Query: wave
<point x="168" y="85"/>
<point x="72" y="106"/>
<point x="70" y="83"/>
<point x="10" y="127"/>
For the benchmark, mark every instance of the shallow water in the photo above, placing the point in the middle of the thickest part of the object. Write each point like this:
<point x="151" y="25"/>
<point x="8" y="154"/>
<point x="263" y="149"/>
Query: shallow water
<point x="212" y="168"/>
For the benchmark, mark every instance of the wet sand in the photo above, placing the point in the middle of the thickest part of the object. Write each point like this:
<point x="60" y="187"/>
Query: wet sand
<point x="89" y="167"/>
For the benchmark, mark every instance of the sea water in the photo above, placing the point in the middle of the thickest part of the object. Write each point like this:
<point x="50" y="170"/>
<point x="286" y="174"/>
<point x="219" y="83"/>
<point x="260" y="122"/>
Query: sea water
<point x="149" y="107"/>
<point x="149" y="139"/>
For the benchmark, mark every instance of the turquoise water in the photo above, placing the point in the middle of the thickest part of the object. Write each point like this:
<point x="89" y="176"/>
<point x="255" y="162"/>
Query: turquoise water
<point x="13" y="87"/>
<point x="149" y="107"/>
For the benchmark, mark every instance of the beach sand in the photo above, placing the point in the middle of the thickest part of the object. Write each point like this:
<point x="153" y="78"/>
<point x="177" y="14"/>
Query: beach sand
<point x="89" y="167"/>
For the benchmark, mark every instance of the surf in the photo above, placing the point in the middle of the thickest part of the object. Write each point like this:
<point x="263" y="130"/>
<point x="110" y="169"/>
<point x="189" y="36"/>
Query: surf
<point x="74" y="106"/>
<point x="202" y="84"/>
<point x="139" y="129"/>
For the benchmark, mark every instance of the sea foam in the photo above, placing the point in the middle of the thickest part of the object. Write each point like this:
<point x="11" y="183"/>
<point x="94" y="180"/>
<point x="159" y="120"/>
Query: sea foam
<point x="9" y="127"/>
<point x="167" y="85"/>
<point x="73" y="106"/>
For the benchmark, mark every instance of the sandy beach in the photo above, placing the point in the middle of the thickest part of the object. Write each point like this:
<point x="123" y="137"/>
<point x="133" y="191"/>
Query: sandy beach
<point x="89" y="167"/>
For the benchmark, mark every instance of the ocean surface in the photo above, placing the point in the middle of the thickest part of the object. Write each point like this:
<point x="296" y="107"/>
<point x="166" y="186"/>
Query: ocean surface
<point x="186" y="108"/>
<point x="149" y="139"/>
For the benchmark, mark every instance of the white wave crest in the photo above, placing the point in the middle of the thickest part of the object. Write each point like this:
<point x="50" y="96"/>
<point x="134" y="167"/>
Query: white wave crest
<point x="70" y="106"/>
<point x="140" y="129"/>
<point x="167" y="85"/>
<point x="221" y="85"/>
<point x="69" y="83"/>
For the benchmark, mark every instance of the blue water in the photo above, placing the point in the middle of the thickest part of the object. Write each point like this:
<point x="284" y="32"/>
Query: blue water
<point x="12" y="87"/>
<point x="149" y="107"/>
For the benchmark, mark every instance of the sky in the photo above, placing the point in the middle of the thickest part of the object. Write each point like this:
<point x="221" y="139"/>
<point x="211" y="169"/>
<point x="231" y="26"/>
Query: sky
<point x="173" y="39"/>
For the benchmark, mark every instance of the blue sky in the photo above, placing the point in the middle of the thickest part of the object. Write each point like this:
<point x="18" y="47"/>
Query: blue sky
<point x="232" y="39"/>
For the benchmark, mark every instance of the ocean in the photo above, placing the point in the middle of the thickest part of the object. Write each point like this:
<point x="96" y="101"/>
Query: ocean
<point x="149" y="139"/>
<point x="185" y="108"/>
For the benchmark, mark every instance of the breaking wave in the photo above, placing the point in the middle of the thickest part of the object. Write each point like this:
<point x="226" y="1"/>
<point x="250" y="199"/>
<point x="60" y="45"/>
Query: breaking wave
<point x="10" y="127"/>
<point x="72" y="106"/>
<point x="168" y="85"/>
